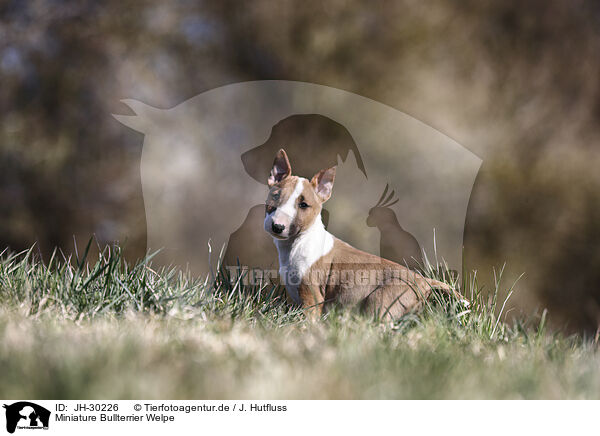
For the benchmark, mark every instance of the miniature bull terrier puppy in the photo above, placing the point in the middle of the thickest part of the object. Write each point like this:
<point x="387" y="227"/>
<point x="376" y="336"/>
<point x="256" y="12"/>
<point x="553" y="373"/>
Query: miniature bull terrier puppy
<point x="318" y="269"/>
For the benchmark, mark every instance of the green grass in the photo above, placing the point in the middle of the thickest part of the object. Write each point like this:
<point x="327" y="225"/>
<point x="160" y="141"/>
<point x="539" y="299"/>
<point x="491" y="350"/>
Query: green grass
<point x="76" y="329"/>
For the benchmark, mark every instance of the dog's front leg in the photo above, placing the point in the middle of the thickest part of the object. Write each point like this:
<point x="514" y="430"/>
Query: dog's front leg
<point x="312" y="300"/>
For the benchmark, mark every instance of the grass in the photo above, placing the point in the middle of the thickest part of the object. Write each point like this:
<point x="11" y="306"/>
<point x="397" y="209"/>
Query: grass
<point x="71" y="329"/>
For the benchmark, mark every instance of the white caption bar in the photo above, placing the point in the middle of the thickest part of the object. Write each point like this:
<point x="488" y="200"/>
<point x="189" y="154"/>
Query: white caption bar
<point x="23" y="417"/>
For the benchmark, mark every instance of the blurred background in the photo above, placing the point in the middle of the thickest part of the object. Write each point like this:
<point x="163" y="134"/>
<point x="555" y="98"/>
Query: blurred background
<point x="517" y="83"/>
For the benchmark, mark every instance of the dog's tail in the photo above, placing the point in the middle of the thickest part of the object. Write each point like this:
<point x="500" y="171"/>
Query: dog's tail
<point x="436" y="284"/>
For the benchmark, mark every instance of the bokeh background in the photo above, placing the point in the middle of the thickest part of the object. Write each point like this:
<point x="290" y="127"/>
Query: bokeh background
<point x="517" y="83"/>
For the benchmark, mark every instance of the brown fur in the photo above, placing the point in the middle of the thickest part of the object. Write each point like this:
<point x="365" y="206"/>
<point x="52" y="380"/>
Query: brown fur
<point x="388" y="289"/>
<point x="304" y="217"/>
<point x="345" y="275"/>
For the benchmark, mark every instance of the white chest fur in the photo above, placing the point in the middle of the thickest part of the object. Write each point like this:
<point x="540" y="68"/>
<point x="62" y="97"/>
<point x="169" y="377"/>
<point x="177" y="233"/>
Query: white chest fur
<point x="297" y="255"/>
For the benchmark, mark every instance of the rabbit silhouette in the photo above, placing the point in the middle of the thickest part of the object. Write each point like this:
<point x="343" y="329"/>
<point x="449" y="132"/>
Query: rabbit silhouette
<point x="396" y="244"/>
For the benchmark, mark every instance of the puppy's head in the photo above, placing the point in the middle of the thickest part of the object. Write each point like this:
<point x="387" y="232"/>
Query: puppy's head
<point x="294" y="203"/>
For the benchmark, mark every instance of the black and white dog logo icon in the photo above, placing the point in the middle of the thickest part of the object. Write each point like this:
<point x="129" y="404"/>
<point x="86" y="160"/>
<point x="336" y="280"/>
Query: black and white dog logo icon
<point x="26" y="415"/>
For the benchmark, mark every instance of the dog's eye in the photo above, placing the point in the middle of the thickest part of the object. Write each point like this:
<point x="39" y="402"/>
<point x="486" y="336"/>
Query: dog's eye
<point x="303" y="205"/>
<point x="275" y="197"/>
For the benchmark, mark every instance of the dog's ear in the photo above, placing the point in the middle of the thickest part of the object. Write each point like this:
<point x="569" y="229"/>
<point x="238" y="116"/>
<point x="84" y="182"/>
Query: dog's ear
<point x="323" y="183"/>
<point x="281" y="168"/>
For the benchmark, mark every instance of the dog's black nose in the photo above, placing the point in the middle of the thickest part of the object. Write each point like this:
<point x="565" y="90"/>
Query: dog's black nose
<point x="277" y="228"/>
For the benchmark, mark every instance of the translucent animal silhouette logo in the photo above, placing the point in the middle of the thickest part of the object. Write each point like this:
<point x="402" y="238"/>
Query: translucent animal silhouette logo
<point x="205" y="164"/>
